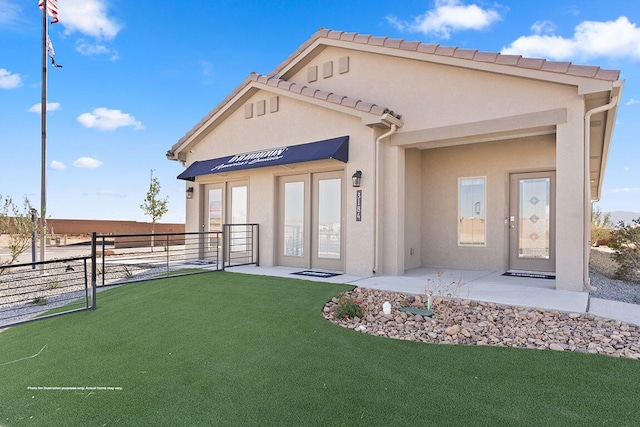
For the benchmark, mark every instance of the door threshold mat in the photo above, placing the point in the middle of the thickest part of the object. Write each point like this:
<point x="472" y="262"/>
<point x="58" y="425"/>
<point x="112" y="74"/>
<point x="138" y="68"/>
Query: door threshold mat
<point x="529" y="275"/>
<point x="312" y="273"/>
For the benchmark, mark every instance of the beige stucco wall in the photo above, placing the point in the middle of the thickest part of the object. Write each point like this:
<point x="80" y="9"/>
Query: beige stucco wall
<point x="441" y="169"/>
<point x="418" y="198"/>
<point x="413" y="209"/>
<point x="295" y="123"/>
<point x="572" y="204"/>
<point x="432" y="95"/>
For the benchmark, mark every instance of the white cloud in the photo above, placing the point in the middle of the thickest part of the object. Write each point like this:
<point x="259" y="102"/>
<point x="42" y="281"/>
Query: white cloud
<point x="87" y="163"/>
<point x="625" y="190"/>
<point x="632" y="101"/>
<point x="9" y="80"/>
<point x="37" y="108"/>
<point x="56" y="165"/>
<point x="108" y="119"/>
<point x="447" y="17"/>
<point x="591" y="39"/>
<point x="89" y="49"/>
<point x="88" y="17"/>
<point x="543" y="27"/>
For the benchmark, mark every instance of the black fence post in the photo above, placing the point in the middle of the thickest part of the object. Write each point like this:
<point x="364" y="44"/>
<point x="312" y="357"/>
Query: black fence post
<point x="93" y="269"/>
<point x="166" y="247"/>
<point x="225" y="237"/>
<point x="256" y="238"/>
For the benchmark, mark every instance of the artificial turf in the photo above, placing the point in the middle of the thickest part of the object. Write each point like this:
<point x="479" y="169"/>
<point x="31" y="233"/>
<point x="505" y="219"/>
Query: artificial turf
<point x="231" y="349"/>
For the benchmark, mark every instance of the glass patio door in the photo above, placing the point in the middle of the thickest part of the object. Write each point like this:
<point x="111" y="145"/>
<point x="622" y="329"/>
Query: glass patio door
<point x="327" y="221"/>
<point x="227" y="203"/>
<point x="293" y="240"/>
<point x="310" y="221"/>
<point x="532" y="222"/>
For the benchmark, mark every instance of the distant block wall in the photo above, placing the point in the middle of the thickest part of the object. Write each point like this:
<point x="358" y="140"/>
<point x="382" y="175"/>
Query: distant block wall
<point x="82" y="227"/>
<point x="87" y="226"/>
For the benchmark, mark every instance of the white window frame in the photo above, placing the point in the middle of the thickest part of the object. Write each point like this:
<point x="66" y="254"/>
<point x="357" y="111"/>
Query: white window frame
<point x="483" y="213"/>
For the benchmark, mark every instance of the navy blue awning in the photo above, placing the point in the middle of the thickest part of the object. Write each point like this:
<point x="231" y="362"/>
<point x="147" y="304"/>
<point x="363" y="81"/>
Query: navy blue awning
<point x="336" y="148"/>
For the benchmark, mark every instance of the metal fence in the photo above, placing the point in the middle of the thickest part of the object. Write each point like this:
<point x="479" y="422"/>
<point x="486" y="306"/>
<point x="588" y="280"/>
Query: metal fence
<point x="44" y="289"/>
<point x="31" y="291"/>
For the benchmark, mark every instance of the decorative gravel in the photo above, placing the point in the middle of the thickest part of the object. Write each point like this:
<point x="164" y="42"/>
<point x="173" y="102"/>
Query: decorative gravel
<point x="615" y="290"/>
<point x="462" y="321"/>
<point x="458" y="321"/>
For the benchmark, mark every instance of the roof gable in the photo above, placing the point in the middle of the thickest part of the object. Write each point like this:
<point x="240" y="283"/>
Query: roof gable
<point x="437" y="53"/>
<point x="371" y="113"/>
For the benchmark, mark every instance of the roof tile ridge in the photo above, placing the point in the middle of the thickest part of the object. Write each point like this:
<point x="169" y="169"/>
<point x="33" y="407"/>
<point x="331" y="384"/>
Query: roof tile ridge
<point x="332" y="34"/>
<point x="377" y="40"/>
<point x="321" y="33"/>
<point x="362" y="38"/>
<point x="518" y="61"/>
<point x="323" y="95"/>
<point x="427" y="47"/>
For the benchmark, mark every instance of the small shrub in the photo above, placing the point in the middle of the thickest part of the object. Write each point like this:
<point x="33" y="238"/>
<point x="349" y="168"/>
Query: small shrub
<point x="54" y="285"/>
<point x="40" y="301"/>
<point x="601" y="227"/>
<point x="348" y="308"/>
<point x="440" y="293"/>
<point x="626" y="243"/>
<point x="443" y="288"/>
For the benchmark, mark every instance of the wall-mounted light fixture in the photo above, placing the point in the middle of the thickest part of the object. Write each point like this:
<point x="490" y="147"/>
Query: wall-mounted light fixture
<point x="356" y="178"/>
<point x="190" y="193"/>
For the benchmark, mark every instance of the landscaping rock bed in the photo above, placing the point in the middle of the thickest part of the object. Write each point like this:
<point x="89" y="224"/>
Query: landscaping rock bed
<point x="462" y="321"/>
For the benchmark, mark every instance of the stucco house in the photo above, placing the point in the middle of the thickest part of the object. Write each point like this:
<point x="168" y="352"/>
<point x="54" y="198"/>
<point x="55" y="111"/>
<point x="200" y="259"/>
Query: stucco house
<point x="466" y="159"/>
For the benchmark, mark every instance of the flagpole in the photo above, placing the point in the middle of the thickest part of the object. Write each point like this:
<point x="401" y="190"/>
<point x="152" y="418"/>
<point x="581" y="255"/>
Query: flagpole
<point x="43" y="124"/>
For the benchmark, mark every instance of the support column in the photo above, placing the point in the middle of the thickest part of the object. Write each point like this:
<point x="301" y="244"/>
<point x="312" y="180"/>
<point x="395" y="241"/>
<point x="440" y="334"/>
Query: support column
<point x="570" y="205"/>
<point x="393" y="206"/>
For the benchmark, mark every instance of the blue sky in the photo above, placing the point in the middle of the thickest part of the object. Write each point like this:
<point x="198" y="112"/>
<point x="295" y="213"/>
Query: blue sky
<point x="137" y="75"/>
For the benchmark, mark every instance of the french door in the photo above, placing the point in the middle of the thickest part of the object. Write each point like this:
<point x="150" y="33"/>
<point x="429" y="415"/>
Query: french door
<point x="227" y="203"/>
<point x="532" y="221"/>
<point x="310" y="221"/>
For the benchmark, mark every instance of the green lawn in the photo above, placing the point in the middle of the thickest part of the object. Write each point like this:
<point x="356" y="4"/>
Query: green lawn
<point x="223" y="349"/>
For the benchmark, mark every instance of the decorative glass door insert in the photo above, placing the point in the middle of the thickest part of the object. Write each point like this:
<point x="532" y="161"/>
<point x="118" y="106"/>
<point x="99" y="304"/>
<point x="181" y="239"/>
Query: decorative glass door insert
<point x="532" y="221"/>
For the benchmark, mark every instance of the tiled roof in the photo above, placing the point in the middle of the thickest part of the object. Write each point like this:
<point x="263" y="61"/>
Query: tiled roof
<point x="455" y="52"/>
<point x="345" y="101"/>
<point x="311" y="92"/>
<point x="426" y="48"/>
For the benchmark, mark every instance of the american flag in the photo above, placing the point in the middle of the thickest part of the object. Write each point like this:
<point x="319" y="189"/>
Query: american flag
<point x="52" y="9"/>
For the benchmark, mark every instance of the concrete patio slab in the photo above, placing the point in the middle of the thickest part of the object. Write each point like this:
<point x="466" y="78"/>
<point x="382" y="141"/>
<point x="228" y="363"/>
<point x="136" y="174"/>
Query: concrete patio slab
<point x="629" y="313"/>
<point x="477" y="285"/>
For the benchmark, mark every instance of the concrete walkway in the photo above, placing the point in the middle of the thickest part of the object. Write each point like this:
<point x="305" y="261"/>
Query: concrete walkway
<point x="476" y="285"/>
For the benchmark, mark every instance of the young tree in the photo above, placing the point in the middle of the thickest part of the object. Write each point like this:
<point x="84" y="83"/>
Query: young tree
<point x="152" y="206"/>
<point x="18" y="225"/>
